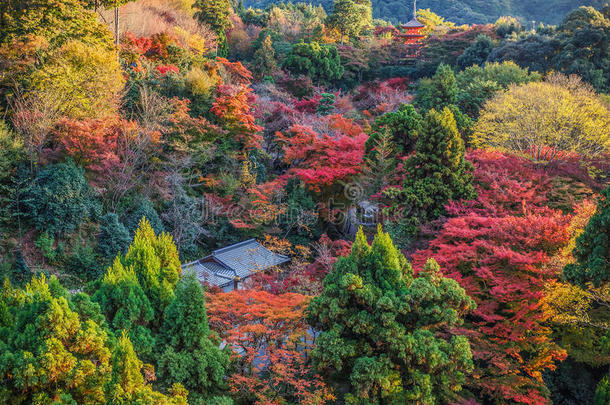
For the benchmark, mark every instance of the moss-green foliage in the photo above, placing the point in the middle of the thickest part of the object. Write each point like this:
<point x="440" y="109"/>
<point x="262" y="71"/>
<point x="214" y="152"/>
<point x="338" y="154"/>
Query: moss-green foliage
<point x="477" y="52"/>
<point x="189" y="356"/>
<point x="264" y="63"/>
<point x="128" y="386"/>
<point x="592" y="250"/>
<point x="138" y="287"/>
<point x="155" y="262"/>
<point x="577" y="46"/>
<point x="584" y="36"/>
<point x="504" y="74"/>
<point x="478" y="84"/>
<point x="382" y="327"/>
<point x="402" y="125"/>
<point x="326" y="105"/>
<point x="144" y="209"/>
<point x="60" y="199"/>
<point x="83" y="262"/>
<point x="126" y="306"/>
<point x="113" y="237"/>
<point x="320" y="62"/>
<point x="602" y="392"/>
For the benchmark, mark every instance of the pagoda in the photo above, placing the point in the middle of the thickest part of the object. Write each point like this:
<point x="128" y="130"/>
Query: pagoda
<point x="412" y="32"/>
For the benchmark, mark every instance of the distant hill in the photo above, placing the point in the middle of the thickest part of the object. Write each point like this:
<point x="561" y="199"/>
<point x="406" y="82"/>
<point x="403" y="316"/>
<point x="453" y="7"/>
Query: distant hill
<point x="466" y="11"/>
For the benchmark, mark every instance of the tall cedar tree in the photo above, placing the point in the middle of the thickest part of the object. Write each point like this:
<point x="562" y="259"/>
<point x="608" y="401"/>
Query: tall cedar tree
<point x="437" y="173"/>
<point x="592" y="250"/>
<point x="138" y="287"/>
<point x="126" y="306"/>
<point x="156" y="264"/>
<point x="384" y="330"/>
<point x="438" y="92"/>
<point x="189" y="356"/>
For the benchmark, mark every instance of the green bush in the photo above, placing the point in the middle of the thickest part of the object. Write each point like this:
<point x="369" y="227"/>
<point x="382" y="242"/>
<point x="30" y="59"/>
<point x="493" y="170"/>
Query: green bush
<point x="60" y="200"/>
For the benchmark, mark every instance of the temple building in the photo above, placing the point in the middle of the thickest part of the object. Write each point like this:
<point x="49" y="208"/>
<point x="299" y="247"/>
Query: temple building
<point x="230" y="266"/>
<point x="412" y="34"/>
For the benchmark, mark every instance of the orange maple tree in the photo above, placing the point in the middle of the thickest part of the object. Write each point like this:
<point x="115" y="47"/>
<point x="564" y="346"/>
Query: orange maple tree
<point x="271" y="343"/>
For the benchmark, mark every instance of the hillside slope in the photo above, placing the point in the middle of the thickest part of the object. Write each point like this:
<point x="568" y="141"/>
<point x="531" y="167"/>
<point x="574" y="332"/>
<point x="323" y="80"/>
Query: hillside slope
<point x="467" y="11"/>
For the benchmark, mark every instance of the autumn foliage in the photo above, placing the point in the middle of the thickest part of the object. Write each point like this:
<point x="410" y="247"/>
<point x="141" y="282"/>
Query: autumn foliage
<point x="271" y="341"/>
<point x="499" y="248"/>
<point x="322" y="159"/>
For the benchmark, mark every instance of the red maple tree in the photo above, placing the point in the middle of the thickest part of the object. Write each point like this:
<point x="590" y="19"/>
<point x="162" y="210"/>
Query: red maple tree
<point x="271" y="343"/>
<point x="499" y="248"/>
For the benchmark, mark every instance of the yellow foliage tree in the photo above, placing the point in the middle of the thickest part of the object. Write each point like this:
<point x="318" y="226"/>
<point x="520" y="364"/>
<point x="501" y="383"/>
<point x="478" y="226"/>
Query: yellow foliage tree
<point x="89" y="77"/>
<point x="561" y="113"/>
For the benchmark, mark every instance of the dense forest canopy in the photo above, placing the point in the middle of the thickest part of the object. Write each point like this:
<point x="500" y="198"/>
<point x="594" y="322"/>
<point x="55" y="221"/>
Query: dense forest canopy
<point x="217" y="202"/>
<point x="464" y="11"/>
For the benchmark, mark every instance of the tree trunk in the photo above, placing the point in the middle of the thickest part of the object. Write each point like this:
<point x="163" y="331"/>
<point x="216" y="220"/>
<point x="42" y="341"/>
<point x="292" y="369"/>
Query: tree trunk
<point x="116" y="26"/>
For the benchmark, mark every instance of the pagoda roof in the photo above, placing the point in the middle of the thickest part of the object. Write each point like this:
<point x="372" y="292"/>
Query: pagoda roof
<point x="414" y="23"/>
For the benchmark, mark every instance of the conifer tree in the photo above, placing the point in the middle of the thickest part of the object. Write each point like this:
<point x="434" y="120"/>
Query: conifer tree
<point x="264" y="63"/>
<point x="384" y="330"/>
<point x="592" y="250"/>
<point x="326" y="105"/>
<point x="128" y="386"/>
<point x="113" y="238"/>
<point x="437" y="173"/>
<point x="402" y="125"/>
<point x="48" y="350"/>
<point x="126" y="306"/>
<point x="602" y="392"/>
<point x="438" y="92"/>
<point x="157" y="266"/>
<point x="190" y="357"/>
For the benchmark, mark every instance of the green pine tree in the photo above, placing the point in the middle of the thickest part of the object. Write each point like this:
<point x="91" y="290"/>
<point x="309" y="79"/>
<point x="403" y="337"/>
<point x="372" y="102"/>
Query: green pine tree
<point x="126" y="305"/>
<point x="189" y="356"/>
<point x="326" y="104"/>
<point x="438" y="92"/>
<point x="438" y="172"/>
<point x="402" y="125"/>
<point x="384" y="330"/>
<point x="128" y="386"/>
<point x="156" y="264"/>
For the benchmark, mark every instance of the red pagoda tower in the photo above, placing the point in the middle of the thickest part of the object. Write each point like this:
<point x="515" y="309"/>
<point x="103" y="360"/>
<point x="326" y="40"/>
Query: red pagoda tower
<point x="412" y="34"/>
